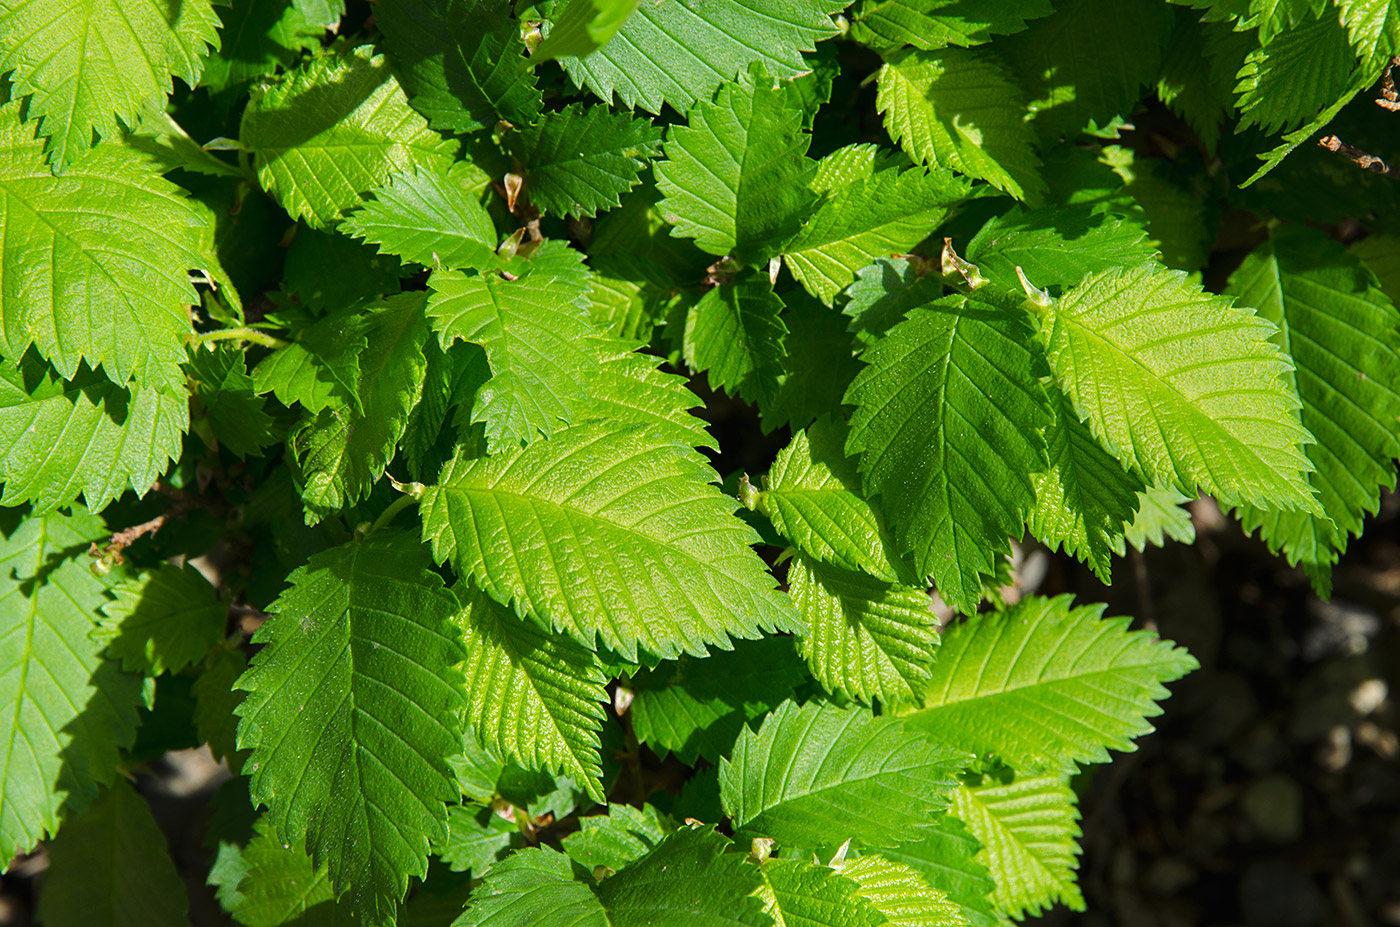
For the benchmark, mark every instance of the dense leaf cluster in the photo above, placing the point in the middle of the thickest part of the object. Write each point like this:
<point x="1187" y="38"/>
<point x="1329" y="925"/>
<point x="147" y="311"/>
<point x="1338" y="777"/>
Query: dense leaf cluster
<point x="345" y="427"/>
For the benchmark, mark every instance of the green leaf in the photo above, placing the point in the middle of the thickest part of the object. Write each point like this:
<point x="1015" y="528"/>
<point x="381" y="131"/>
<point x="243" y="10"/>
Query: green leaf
<point x="735" y="335"/>
<point x="1296" y="74"/>
<point x="1056" y="247"/>
<point x="888" y="24"/>
<point x="627" y="387"/>
<point x="532" y="697"/>
<point x="816" y="775"/>
<point x="1293" y="139"/>
<point x="477" y="839"/>
<point x="90" y="65"/>
<point x="866" y="638"/>
<point x="321" y="367"/>
<point x="1341" y="332"/>
<point x="1086" y="499"/>
<point x="62" y="438"/>
<point x="164" y="620"/>
<point x="811" y="895"/>
<point x="686" y="881"/>
<point x="238" y="418"/>
<point x="1160" y="515"/>
<point x="945" y="855"/>
<point x="259" y="36"/>
<point x="462" y="64"/>
<point x="95" y="267"/>
<point x="881" y="213"/>
<point x="429" y="217"/>
<point x="1088" y="62"/>
<point x="947" y="425"/>
<point x="696" y="707"/>
<point x="902" y="895"/>
<point x="819" y="364"/>
<point x="67" y="711"/>
<point x="666" y="53"/>
<point x="1044" y="684"/>
<point x="215" y="701"/>
<point x="960" y="110"/>
<point x="1202" y="96"/>
<point x="540" y="342"/>
<point x="282" y="886"/>
<point x="735" y="179"/>
<point x="329" y="271"/>
<point x="813" y="497"/>
<point x="579" y="159"/>
<point x="336" y="128"/>
<point x="341" y="451"/>
<point x="583" y="27"/>
<point x="110" y="866"/>
<point x="885" y="292"/>
<point x="618" y="838"/>
<point x="1183" y="384"/>
<point x="357" y="673"/>
<point x="1027" y="830"/>
<point x="605" y="531"/>
<point x="1176" y="218"/>
<point x="1373" y="26"/>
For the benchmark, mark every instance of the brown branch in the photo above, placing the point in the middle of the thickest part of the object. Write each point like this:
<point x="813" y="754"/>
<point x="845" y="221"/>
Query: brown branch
<point x="111" y="553"/>
<point x="1389" y="98"/>
<point x="1363" y="160"/>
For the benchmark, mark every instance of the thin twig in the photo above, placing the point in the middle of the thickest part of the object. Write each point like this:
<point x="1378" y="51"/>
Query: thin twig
<point x="1363" y="160"/>
<point x="1389" y="98"/>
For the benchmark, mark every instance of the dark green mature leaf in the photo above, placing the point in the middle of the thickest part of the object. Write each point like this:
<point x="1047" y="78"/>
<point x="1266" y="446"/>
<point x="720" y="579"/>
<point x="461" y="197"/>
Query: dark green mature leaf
<point x="1373" y="26"/>
<point x="282" y="886"/>
<point x="1176" y="218"/>
<point x="535" y="698"/>
<point x="1046" y="685"/>
<point x="258" y="36"/>
<point x="865" y="638"/>
<point x="428" y="216"/>
<point x="477" y="838"/>
<point x="215" y="701"/>
<point x="618" y="838"/>
<point x="1341" y="333"/>
<point x="696" y="707"/>
<point x="164" y="620"/>
<point x="1088" y="62"/>
<point x="813" y="497"/>
<point x="678" y="53"/>
<point x="735" y="179"/>
<point x="344" y="448"/>
<point x="667" y="566"/>
<point x="1087" y="499"/>
<point x="960" y="110"/>
<point x="885" y="292"/>
<point x="336" y="128"/>
<point x="947" y="426"/>
<point x="540" y="342"/>
<point x="583" y="27"/>
<point x="1056" y="247"/>
<point x="816" y="775"/>
<point x="63" y="438"/>
<point x="327" y="271"/>
<point x="1183" y="384"/>
<point x="95" y="268"/>
<point x="462" y="63"/>
<point x="1027" y="830"/>
<point x="888" y="24"/>
<point x="735" y="335"/>
<point x="945" y="855"/>
<point x="67" y="711"/>
<point x="867" y="214"/>
<point x="110" y="866"/>
<point x="321" y="367"/>
<point x="1296" y="74"/>
<point x="90" y="66"/>
<point x="819" y="364"/>
<point x="351" y="707"/>
<point x="238" y="417"/>
<point x="579" y="159"/>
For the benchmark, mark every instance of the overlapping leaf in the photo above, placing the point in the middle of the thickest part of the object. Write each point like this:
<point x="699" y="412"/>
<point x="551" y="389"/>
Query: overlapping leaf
<point x="237" y="416"/>
<point x="582" y="27"/>
<point x="1293" y="77"/>
<point x="258" y="36"/>
<point x="735" y="178"/>
<point x="901" y="894"/>
<point x="960" y="110"/>
<point x="352" y="705"/>
<point x="735" y="335"/>
<point x="90" y="65"/>
<point x="1044" y="684"/>
<point x="165" y="620"/>
<point x="883" y="24"/>
<point x="95" y="268"/>
<point x="580" y="159"/>
<point x="947" y="425"/>
<point x="672" y="53"/>
<point x="67" y="711"/>
<point x="1341" y="333"/>
<point x="334" y="129"/>
<point x="801" y="892"/>
<point x="946" y="856"/>
<point x="430" y="217"/>
<point x="605" y="531"/>
<point x="1183" y="384"/>
<point x="1056" y="247"/>
<point x="536" y="698"/>
<point x="817" y="775"/>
